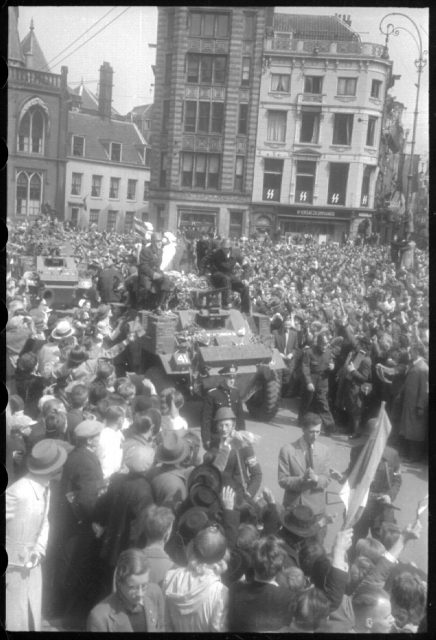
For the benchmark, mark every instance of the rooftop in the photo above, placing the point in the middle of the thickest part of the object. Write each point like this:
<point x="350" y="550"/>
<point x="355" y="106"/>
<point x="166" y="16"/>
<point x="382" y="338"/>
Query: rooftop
<point x="30" y="45"/>
<point x="313" y="27"/>
<point x="89" y="101"/>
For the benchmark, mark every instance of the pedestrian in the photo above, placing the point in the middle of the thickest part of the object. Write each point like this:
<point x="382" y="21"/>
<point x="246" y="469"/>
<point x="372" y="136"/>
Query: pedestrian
<point x="413" y="404"/>
<point x="27" y="530"/>
<point x="155" y="525"/>
<point x="169" y="477"/>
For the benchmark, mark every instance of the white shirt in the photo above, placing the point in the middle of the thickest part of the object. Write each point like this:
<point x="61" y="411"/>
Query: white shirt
<point x="109" y="451"/>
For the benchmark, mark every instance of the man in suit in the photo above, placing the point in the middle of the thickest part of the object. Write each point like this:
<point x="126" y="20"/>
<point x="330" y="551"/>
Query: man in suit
<point x="27" y="529"/>
<point x="226" y="394"/>
<point x="414" y="404"/>
<point x="303" y="470"/>
<point x="315" y="367"/>
<point x="287" y="342"/>
<point x="109" y="283"/>
<point x="223" y="266"/>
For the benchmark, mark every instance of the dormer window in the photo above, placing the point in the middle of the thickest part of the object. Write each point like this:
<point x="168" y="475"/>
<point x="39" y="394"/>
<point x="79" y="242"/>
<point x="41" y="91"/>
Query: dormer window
<point x="115" y="151"/>
<point x="78" y="146"/>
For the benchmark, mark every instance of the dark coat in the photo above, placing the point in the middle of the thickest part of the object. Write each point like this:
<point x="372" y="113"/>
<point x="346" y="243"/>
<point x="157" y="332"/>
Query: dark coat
<point x="220" y="263"/>
<point x="117" y="510"/>
<point x="414" y="403"/>
<point x="258" y="607"/>
<point x="82" y="475"/>
<point x="315" y="367"/>
<point x="110" y="616"/>
<point x="108" y="281"/>
<point x="169" y="485"/>
<point x="150" y="260"/>
<point x="293" y="343"/>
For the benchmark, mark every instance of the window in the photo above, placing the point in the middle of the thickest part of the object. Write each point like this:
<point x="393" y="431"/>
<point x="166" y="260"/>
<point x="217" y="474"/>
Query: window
<point x="28" y="193"/>
<point x="74" y="217"/>
<point x="217" y="121"/>
<point x="96" y="186"/>
<point x="364" y="198"/>
<point x="131" y="189"/>
<point x="347" y="86"/>
<point x="249" y="26"/>
<point x="31" y="132"/>
<point x="376" y="88"/>
<point x="76" y="184"/>
<point x="370" y="133"/>
<point x="343" y="128"/>
<point x="115" y="152"/>
<point x="146" y="190"/>
<point x="236" y="218"/>
<point x="313" y="84"/>
<point x="207" y="69"/>
<point x="280" y="82"/>
<point x="305" y="181"/>
<point x="209" y="25"/>
<point x="203" y="117"/>
<point x="165" y="115"/>
<point x="239" y="173"/>
<point x="128" y="221"/>
<point x="190" y="116"/>
<point x="94" y="215"/>
<point x="163" y="170"/>
<point x="245" y="80"/>
<point x="147" y="156"/>
<point x="243" y="119"/>
<point x="309" y="126"/>
<point x="338" y="183"/>
<point x="114" y="189"/>
<point x="200" y="170"/>
<point x="78" y="146"/>
<point x="168" y="68"/>
<point x="111" y="220"/>
<point x="272" y="179"/>
<point x="276" y="126"/>
<point x="170" y="23"/>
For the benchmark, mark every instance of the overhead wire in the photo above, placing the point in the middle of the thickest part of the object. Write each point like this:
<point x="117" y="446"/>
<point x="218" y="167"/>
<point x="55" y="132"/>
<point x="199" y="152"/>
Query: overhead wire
<point x="81" y="36"/>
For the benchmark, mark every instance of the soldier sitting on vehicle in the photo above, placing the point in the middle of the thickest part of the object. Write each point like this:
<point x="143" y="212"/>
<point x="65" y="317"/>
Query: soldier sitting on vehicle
<point x="151" y="280"/>
<point x="223" y="265"/>
<point x="226" y="394"/>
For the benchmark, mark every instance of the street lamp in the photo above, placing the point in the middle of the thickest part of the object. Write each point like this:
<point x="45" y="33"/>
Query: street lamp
<point x="391" y="29"/>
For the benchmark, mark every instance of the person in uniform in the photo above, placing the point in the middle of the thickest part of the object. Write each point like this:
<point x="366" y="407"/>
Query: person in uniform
<point x="316" y="365"/>
<point x="222" y="267"/>
<point x="383" y="489"/>
<point x="226" y="394"/>
<point x="150" y="276"/>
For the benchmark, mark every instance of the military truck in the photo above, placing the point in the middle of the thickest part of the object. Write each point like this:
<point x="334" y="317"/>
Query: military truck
<point x="187" y="349"/>
<point x="59" y="279"/>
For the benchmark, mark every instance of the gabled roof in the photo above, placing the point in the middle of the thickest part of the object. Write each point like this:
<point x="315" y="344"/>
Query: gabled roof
<point x="89" y="101"/>
<point x="30" y="44"/>
<point x="15" y="54"/>
<point x="142" y="111"/>
<point x="99" y="131"/>
<point x="313" y="27"/>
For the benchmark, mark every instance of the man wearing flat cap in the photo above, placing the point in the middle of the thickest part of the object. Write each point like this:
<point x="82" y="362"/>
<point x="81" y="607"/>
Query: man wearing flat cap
<point x="225" y="394"/>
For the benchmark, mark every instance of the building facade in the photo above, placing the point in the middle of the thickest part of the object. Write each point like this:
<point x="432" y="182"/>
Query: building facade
<point x="107" y="177"/>
<point x="320" y="121"/>
<point x="204" y="121"/>
<point x="37" y="127"/>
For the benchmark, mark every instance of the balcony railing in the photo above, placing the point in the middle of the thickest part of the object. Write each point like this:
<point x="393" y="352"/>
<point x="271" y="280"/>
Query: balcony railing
<point x="284" y="42"/>
<point x="34" y="78"/>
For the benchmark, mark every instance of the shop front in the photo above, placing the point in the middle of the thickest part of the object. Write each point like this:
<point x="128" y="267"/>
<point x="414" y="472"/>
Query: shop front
<point x="202" y="220"/>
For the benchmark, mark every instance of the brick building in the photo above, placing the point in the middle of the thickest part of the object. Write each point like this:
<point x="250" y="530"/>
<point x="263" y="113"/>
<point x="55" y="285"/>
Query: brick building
<point x="207" y="81"/>
<point x="37" y="127"/>
<point x="320" y="121"/>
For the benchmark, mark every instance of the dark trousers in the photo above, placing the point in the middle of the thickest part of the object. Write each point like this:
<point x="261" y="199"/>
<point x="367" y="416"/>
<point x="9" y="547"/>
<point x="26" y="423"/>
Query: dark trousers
<point x="317" y="401"/>
<point x="231" y="283"/>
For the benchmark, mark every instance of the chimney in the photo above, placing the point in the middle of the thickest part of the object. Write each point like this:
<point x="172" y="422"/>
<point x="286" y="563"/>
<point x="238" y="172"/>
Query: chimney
<point x="105" y="90"/>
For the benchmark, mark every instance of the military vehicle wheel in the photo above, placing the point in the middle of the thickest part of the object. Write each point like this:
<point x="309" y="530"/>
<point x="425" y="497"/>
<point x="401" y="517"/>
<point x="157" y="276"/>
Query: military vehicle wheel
<point x="264" y="404"/>
<point x="159" y="378"/>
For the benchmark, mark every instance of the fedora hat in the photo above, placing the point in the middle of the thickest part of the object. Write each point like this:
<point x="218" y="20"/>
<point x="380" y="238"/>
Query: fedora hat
<point x="201" y="495"/>
<point x="191" y="522"/>
<point x="46" y="457"/>
<point x="301" y="521"/>
<point x="76" y="356"/>
<point x="88" y="429"/>
<point x="172" y="448"/>
<point x="224" y="413"/>
<point x="206" y="475"/>
<point x="62" y="330"/>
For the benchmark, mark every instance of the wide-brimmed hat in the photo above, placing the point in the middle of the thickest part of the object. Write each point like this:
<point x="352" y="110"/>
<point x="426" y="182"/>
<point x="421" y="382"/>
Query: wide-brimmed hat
<point x="206" y="475"/>
<point x="172" y="448"/>
<point x="77" y="356"/>
<point x="88" y="429"/>
<point x="224" y="413"/>
<point x="191" y="522"/>
<point x="46" y="457"/>
<point x="203" y="496"/>
<point x="102" y="312"/>
<point x="62" y="330"/>
<point x="139" y="459"/>
<point x="301" y="521"/>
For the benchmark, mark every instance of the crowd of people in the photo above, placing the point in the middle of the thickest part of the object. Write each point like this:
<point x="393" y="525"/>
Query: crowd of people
<point x="123" y="515"/>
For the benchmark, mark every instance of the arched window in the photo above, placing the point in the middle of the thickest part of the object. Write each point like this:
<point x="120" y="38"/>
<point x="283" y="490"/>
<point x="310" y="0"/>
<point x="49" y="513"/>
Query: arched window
<point x="29" y="193"/>
<point x="31" y="132"/>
